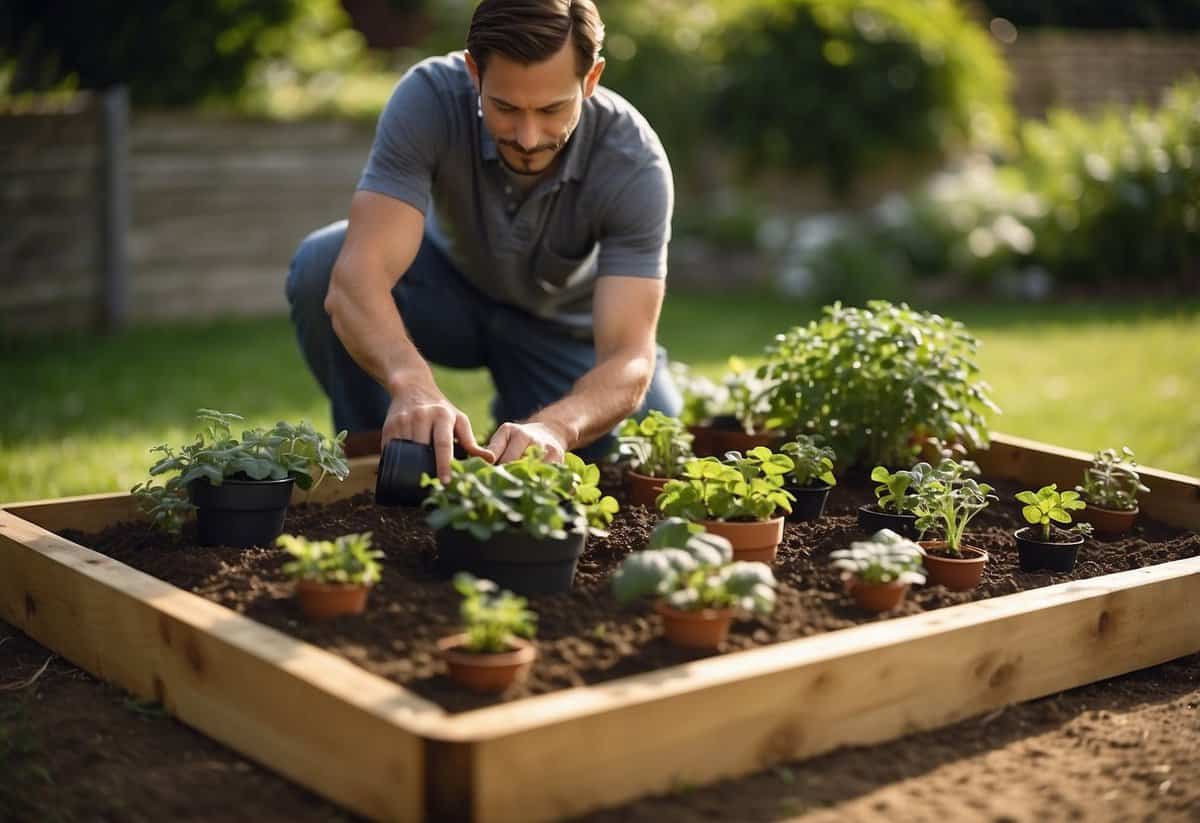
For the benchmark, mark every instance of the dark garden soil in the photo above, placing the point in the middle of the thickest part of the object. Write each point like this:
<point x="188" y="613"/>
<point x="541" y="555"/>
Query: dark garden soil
<point x="583" y="637"/>
<point x="75" y="749"/>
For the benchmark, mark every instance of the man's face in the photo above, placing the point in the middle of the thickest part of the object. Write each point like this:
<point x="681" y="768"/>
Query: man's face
<point x="531" y="111"/>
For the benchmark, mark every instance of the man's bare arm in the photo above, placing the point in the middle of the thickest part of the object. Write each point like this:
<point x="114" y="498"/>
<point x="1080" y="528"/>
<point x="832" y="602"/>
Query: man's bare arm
<point x="382" y="240"/>
<point x="625" y="312"/>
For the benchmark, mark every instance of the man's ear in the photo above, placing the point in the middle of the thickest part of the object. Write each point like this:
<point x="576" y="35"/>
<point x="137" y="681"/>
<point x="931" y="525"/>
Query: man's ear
<point x="474" y="70"/>
<point x="593" y="78"/>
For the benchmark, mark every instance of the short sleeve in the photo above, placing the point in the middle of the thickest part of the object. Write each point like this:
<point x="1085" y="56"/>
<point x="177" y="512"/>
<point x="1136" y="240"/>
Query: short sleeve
<point x="637" y="226"/>
<point x="412" y="132"/>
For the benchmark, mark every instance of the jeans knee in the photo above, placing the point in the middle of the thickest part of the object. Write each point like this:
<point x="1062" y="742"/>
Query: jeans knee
<point x="311" y="268"/>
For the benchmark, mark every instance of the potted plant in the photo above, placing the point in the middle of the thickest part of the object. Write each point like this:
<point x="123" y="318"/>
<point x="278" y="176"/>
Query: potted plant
<point x="895" y="500"/>
<point x="494" y="651"/>
<point x="737" y="500"/>
<point x="238" y="487"/>
<point x="1050" y="547"/>
<point x="657" y="447"/>
<point x="332" y="577"/>
<point x="949" y="500"/>
<point x="522" y="524"/>
<point x="695" y="582"/>
<point x="1110" y="487"/>
<point x="879" y="571"/>
<point x="730" y="416"/>
<point x="811" y="476"/>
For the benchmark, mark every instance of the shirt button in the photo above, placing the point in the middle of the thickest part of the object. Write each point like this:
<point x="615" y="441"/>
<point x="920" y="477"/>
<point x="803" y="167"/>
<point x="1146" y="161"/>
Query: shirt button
<point x="508" y="189"/>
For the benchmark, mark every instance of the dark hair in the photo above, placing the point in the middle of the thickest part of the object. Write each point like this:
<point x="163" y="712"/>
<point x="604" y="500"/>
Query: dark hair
<point x="530" y="31"/>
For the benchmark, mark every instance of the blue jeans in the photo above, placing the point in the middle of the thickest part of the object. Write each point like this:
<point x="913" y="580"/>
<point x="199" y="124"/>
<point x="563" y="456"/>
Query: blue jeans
<point x="533" y="363"/>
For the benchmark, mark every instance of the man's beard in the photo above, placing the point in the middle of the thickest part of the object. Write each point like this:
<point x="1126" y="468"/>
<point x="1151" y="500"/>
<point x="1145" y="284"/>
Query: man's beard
<point x="552" y="148"/>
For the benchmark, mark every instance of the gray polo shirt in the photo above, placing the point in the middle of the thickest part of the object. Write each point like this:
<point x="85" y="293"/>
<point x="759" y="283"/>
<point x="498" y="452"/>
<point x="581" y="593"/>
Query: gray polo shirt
<point x="604" y="209"/>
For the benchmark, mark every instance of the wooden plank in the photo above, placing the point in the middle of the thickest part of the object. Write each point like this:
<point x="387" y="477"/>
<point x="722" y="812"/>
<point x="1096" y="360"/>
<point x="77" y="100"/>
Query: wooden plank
<point x="572" y="751"/>
<point x="345" y="733"/>
<point x="1173" y="498"/>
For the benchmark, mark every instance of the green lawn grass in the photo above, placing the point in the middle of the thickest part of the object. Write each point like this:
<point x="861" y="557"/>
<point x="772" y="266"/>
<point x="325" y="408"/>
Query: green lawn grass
<point x="80" y="413"/>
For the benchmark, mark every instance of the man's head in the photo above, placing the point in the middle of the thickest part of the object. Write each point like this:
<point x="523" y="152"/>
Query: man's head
<point x="534" y="62"/>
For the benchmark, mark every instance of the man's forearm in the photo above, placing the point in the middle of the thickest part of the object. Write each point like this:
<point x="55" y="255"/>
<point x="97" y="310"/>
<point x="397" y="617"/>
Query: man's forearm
<point x="601" y="399"/>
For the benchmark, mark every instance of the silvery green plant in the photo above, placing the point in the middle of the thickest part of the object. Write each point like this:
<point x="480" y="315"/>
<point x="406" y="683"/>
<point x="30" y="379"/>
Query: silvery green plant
<point x="868" y="379"/>
<point x="690" y="569"/>
<point x="949" y="500"/>
<point x="546" y="500"/>
<point x="657" y="445"/>
<point x="1048" y="505"/>
<point x="739" y="394"/>
<point x="492" y="616"/>
<point x="812" y="463"/>
<point x="347" y="559"/>
<point x="897" y="491"/>
<point x="740" y="488"/>
<point x="285" y="450"/>
<point x="885" y="558"/>
<point x="1112" y="481"/>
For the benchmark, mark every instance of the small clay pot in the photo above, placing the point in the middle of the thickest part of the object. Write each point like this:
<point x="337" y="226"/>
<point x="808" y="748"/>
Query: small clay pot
<point x="725" y="433"/>
<point x="704" y="629"/>
<point x="1111" y="522"/>
<point x="322" y="601"/>
<point x="877" y="597"/>
<point x="809" y="503"/>
<point x="755" y="540"/>
<point x="1056" y="555"/>
<point x="871" y="519"/>
<point x="958" y="574"/>
<point x="486" y="673"/>
<point x="644" y="489"/>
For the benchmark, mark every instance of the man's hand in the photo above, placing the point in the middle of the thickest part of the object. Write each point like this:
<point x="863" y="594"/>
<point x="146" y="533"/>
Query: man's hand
<point x="420" y="412"/>
<point x="512" y="439"/>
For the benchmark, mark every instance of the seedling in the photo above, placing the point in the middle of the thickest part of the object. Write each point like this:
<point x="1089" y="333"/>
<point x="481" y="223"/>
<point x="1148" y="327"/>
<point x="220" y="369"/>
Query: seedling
<point x="1112" y="481"/>
<point x="692" y="570"/>
<point x="951" y="500"/>
<point x="885" y="558"/>
<point x="1047" y="506"/>
<point x="750" y="489"/>
<point x="897" y="491"/>
<point x="299" y="452"/>
<point x="812" y="463"/>
<point x="492" y="617"/>
<point x="348" y="559"/>
<point x="657" y="445"/>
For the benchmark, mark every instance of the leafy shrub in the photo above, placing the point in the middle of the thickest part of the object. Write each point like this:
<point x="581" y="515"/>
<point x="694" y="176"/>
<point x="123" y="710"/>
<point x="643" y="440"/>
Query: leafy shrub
<point x="876" y="382"/>
<point x="692" y="570"/>
<point x="491" y="616"/>
<point x="348" y="559"/>
<point x="749" y="489"/>
<point x="657" y="445"/>
<point x="299" y="452"/>
<point x="885" y="558"/>
<point x="546" y="500"/>
<point x="1112" y="481"/>
<point x="1048" y="506"/>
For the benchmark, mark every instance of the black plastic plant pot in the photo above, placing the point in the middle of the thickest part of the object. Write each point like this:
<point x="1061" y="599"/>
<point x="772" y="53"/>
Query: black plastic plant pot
<point x="1035" y="555"/>
<point x="513" y="560"/>
<point x="240" y="513"/>
<point x="809" y="503"/>
<point x="871" y="520"/>
<point x="400" y="468"/>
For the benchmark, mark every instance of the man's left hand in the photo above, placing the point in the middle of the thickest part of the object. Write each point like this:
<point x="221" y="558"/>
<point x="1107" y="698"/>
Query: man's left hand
<point x="512" y="439"/>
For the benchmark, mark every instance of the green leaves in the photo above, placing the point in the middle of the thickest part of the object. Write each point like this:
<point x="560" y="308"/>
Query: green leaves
<point x="657" y="446"/>
<point x="948" y="499"/>
<point x="492" y="616"/>
<point x="1112" y="481"/>
<point x="692" y="569"/>
<point x="348" y="559"/>
<point x="1048" y="505"/>
<point x="885" y="558"/>
<point x="811" y="462"/>
<point x="285" y="450"/>
<point x="740" y="488"/>
<point x="546" y="500"/>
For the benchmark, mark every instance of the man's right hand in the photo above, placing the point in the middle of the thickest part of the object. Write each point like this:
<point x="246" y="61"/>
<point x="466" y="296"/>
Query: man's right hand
<point x="420" y="412"/>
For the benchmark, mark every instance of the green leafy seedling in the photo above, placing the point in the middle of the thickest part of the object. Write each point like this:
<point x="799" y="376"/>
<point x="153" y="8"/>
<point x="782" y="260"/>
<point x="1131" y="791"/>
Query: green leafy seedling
<point x="1048" y="505"/>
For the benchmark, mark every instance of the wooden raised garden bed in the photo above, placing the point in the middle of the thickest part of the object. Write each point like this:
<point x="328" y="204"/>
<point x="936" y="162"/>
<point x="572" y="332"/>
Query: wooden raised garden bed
<point x="384" y="751"/>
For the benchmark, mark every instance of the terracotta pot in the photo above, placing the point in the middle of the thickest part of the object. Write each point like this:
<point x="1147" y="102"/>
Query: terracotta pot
<point x="322" y="601"/>
<point x="1109" y="521"/>
<point x="877" y="597"/>
<point x="757" y="540"/>
<point x="705" y="629"/>
<point x="958" y="574"/>
<point x="1035" y="553"/>
<point x="701" y="447"/>
<point x="486" y="672"/>
<point x="724" y="433"/>
<point x="644" y="489"/>
<point x="871" y="519"/>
